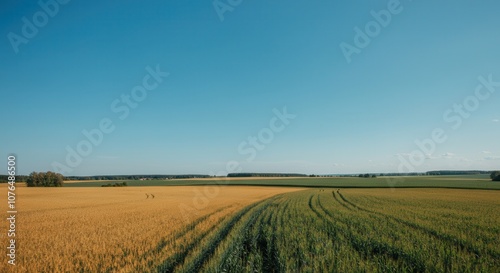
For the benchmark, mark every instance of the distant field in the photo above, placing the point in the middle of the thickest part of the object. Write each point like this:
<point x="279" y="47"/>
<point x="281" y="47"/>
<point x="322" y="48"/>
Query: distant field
<point x="256" y="229"/>
<point x="459" y="182"/>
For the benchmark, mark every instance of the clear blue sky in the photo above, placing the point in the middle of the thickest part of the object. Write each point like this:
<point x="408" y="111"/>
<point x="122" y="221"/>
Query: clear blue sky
<point x="226" y="77"/>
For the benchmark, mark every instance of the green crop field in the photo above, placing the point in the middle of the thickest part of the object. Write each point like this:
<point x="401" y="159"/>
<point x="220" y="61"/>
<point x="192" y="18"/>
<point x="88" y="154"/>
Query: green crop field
<point x="353" y="230"/>
<point x="458" y="182"/>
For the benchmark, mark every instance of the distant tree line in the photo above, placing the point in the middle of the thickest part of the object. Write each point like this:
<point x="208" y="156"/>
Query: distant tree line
<point x="457" y="172"/>
<point x="444" y="172"/>
<point x="19" y="178"/>
<point x="36" y="180"/>
<point x="136" y="177"/>
<point x="48" y="179"/>
<point x="495" y="176"/>
<point x="367" y="175"/>
<point x="266" y="175"/>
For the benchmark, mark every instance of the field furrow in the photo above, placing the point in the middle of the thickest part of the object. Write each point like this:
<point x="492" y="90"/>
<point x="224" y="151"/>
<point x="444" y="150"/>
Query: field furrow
<point x="203" y="254"/>
<point x="450" y="239"/>
<point x="183" y="250"/>
<point x="368" y="247"/>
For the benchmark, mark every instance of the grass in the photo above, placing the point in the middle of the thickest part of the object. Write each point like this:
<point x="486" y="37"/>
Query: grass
<point x="457" y="182"/>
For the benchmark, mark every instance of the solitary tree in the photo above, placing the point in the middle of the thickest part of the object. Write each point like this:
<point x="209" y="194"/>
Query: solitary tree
<point x="495" y="176"/>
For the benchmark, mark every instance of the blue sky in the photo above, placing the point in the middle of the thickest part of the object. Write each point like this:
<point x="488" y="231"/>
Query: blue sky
<point x="227" y="78"/>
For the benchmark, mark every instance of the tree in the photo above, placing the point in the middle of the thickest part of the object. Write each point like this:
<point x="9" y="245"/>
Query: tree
<point x="48" y="179"/>
<point x="495" y="176"/>
<point x="34" y="179"/>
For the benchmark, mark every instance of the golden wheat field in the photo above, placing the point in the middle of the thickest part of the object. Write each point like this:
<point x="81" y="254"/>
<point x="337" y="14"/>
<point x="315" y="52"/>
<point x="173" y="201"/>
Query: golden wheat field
<point x="117" y="229"/>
